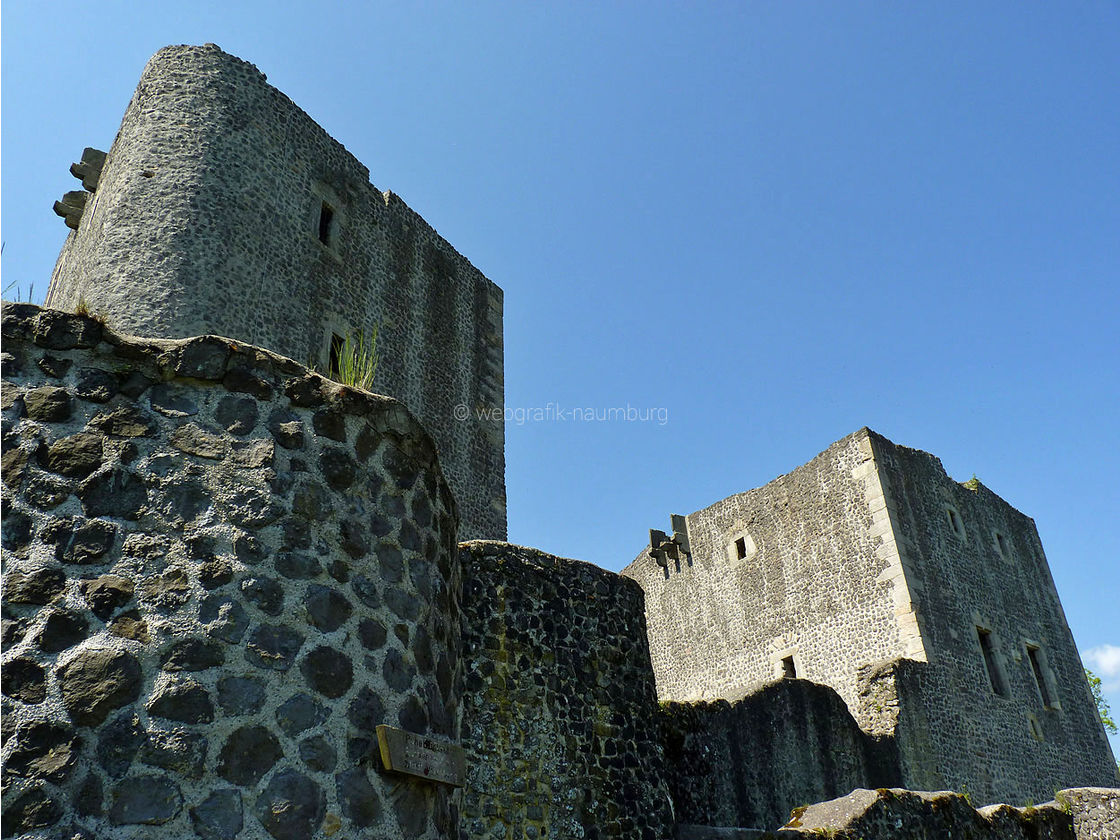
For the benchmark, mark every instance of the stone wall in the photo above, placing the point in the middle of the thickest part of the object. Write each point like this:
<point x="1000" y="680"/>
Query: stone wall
<point x="819" y="584"/>
<point x="221" y="573"/>
<point x="206" y="219"/>
<point x="890" y="704"/>
<point x="1096" y="812"/>
<point x="977" y="564"/>
<point x="559" y="709"/>
<point x="751" y="762"/>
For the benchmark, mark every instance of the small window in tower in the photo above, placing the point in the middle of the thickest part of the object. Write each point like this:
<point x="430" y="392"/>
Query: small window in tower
<point x="326" y="216"/>
<point x="994" y="675"/>
<point x="1035" y="656"/>
<point x="1036" y="729"/>
<point x="1002" y="546"/>
<point x="955" y="521"/>
<point x="740" y="548"/>
<point x="789" y="669"/>
<point x="335" y="364"/>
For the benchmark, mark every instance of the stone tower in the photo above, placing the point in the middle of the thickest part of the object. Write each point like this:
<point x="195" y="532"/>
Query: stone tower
<point x="928" y="605"/>
<point x="223" y="208"/>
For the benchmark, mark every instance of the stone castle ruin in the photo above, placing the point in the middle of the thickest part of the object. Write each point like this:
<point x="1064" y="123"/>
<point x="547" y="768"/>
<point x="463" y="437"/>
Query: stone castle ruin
<point x="243" y="601"/>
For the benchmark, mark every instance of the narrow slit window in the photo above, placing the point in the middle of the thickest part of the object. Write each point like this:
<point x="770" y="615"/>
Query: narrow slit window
<point x="1035" y="656"/>
<point x="789" y="669"/>
<point x="1001" y="544"/>
<point x="326" y="216"/>
<point x="985" y="637"/>
<point x="1036" y="729"/>
<point x="955" y="522"/>
<point x="335" y="363"/>
<point x="741" y="548"/>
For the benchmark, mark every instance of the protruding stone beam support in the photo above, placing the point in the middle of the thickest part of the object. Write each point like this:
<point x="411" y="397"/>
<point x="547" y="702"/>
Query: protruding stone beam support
<point x="71" y="207"/>
<point x="88" y="169"/>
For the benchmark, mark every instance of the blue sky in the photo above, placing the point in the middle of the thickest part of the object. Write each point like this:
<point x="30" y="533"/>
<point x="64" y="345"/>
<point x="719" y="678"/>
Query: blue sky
<point x="777" y="222"/>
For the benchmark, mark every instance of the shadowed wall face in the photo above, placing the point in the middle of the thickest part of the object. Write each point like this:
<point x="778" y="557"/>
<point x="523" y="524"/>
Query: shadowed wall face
<point x="751" y="762"/>
<point x="559" y="708"/>
<point x="223" y="208"/>
<point x="221" y="574"/>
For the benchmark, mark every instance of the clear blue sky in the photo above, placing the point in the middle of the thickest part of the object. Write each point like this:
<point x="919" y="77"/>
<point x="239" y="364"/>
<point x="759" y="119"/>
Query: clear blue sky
<point x="777" y="221"/>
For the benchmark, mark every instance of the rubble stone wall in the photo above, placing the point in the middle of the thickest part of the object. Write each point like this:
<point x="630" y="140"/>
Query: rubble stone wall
<point x="221" y="574"/>
<point x="1096" y="812"/>
<point x="559" y="707"/>
<point x="750" y="762"/>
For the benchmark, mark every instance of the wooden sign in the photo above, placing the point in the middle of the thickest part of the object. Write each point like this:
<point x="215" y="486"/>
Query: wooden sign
<point x="422" y="756"/>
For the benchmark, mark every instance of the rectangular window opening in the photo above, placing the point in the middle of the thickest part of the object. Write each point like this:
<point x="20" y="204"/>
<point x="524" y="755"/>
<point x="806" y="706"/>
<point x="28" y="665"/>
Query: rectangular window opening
<point x="1001" y="543"/>
<point x="741" y="548"/>
<point x="789" y="670"/>
<point x="1034" y="655"/>
<point x="335" y="364"/>
<point x="994" y="675"/>
<point x="326" y="216"/>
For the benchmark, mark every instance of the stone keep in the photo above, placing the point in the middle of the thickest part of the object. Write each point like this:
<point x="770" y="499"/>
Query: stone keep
<point x="926" y="604"/>
<point x="223" y="208"/>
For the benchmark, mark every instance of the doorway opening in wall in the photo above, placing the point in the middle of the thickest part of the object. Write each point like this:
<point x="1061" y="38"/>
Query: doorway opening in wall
<point x="789" y="669"/>
<point x="994" y="675"/>
<point x="326" y="216"/>
<point x="1034" y="654"/>
<point x="334" y="365"/>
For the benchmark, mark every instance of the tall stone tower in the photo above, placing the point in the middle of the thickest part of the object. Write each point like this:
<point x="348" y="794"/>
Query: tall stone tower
<point x="926" y="604"/>
<point x="223" y="208"/>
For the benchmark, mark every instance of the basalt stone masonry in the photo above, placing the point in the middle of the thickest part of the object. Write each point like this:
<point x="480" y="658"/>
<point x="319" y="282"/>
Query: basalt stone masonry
<point x="223" y="208"/>
<point x="222" y="572"/>
<point x="559" y="707"/>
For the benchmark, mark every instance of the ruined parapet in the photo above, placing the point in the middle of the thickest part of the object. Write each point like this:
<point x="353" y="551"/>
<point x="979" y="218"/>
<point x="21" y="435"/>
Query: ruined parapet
<point x="559" y="708"/>
<point x="892" y="707"/>
<point x="1095" y="811"/>
<point x="749" y="762"/>
<point x="222" y="208"/>
<point x="222" y="573"/>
